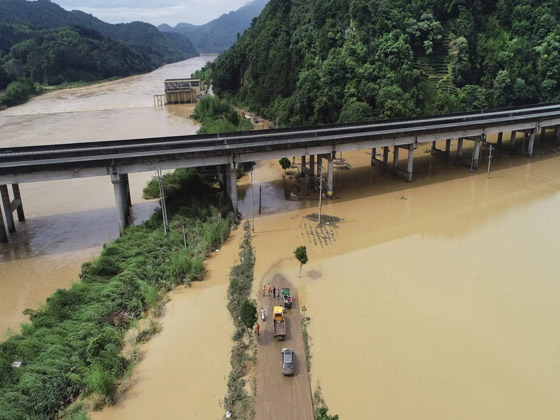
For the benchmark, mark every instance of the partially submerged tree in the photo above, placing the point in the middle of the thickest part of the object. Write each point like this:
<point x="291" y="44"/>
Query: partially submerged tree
<point x="285" y="163"/>
<point x="301" y="256"/>
<point x="248" y="314"/>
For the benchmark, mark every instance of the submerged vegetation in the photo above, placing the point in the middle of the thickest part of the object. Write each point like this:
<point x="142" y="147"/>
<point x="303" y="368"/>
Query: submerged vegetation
<point x="74" y="345"/>
<point x="237" y="401"/>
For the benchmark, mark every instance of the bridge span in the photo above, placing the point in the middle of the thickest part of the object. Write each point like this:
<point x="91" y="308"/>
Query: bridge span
<point x="116" y="159"/>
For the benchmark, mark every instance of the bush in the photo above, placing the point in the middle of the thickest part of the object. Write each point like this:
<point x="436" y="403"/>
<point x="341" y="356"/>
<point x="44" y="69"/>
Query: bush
<point x="19" y="92"/>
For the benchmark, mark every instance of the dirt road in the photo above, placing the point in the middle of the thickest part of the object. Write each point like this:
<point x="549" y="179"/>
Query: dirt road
<point x="279" y="396"/>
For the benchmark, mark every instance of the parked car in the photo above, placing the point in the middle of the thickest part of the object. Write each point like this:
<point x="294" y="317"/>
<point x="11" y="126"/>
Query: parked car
<point x="287" y="361"/>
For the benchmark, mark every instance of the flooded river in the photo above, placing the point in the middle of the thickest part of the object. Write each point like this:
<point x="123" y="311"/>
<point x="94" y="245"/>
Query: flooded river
<point x="69" y="220"/>
<point x="436" y="299"/>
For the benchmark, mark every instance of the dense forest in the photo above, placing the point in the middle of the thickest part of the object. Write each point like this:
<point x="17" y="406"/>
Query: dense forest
<point x="43" y="44"/>
<point x="219" y="34"/>
<point x="160" y="47"/>
<point x="334" y="61"/>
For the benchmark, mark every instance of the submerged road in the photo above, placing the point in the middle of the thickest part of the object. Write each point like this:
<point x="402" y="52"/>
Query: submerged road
<point x="279" y="396"/>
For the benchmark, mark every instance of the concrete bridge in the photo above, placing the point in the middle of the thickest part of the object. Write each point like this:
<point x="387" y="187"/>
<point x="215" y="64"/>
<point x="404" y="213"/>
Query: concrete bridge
<point x="116" y="159"/>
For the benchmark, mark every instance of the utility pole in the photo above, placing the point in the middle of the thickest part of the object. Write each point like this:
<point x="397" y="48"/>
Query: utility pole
<point x="320" y="193"/>
<point x="489" y="161"/>
<point x="252" y="207"/>
<point x="163" y="207"/>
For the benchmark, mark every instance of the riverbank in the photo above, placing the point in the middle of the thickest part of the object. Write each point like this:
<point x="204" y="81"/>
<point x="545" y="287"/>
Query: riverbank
<point x="77" y="337"/>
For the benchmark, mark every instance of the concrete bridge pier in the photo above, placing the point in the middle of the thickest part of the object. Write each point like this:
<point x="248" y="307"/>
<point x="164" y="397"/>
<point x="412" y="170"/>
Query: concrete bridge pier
<point x="476" y="154"/>
<point x="557" y="135"/>
<point x="330" y="177"/>
<point x="373" y="152"/>
<point x="411" y="148"/>
<point x="531" y="142"/>
<point x="312" y="166"/>
<point x="319" y="165"/>
<point x="3" y="233"/>
<point x="231" y="179"/>
<point x="433" y="148"/>
<point x="396" y="157"/>
<point x="500" y="139"/>
<point x="512" y="141"/>
<point x="459" y="150"/>
<point x="122" y="199"/>
<point x="385" y="157"/>
<point x="447" y="147"/>
<point x="12" y="205"/>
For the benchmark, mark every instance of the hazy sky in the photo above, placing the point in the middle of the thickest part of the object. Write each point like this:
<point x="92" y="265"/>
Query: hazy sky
<point x="154" y="11"/>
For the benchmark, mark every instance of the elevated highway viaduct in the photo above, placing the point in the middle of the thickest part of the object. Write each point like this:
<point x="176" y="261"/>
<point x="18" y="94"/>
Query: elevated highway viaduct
<point x="116" y="159"/>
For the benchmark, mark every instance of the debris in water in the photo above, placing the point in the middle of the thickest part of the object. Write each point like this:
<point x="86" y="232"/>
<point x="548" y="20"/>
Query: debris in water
<point x="325" y="219"/>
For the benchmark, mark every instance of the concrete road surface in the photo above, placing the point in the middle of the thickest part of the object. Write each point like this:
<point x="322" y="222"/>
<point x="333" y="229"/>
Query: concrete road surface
<point x="278" y="396"/>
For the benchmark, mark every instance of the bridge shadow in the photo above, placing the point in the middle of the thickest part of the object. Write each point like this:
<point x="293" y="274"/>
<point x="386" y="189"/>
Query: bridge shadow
<point x="67" y="232"/>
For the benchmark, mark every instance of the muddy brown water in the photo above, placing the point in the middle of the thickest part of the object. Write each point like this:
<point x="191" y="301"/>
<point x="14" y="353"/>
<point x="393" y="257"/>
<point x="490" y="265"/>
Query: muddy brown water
<point x="436" y="299"/>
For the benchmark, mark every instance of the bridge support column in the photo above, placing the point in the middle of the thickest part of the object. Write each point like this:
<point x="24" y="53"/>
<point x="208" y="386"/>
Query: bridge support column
<point x="395" y="157"/>
<point x="302" y="162"/>
<point x="3" y="233"/>
<point x="330" y="178"/>
<point x="531" y="142"/>
<point x="476" y="154"/>
<point x="411" y="148"/>
<point x="447" y="147"/>
<point x="18" y="202"/>
<point x="319" y="164"/>
<point x="500" y="139"/>
<point x="231" y="176"/>
<point x="512" y="142"/>
<point x="557" y="135"/>
<point x="385" y="157"/>
<point x="122" y="198"/>
<point x="7" y="208"/>
<point x="459" y="150"/>
<point x="433" y="149"/>
<point x="373" y="152"/>
<point x="312" y="166"/>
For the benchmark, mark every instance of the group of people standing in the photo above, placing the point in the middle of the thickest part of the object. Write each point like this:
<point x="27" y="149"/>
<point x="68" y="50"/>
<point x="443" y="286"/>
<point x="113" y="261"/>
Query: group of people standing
<point x="271" y="290"/>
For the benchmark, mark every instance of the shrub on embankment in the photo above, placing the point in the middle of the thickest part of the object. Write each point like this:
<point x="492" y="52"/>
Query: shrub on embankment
<point x="73" y="344"/>
<point x="218" y="116"/>
<point x="237" y="401"/>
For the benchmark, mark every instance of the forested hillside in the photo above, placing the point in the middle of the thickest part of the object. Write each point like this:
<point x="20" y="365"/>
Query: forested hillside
<point x="53" y="56"/>
<point x="333" y="61"/>
<point x="219" y="34"/>
<point x="160" y="47"/>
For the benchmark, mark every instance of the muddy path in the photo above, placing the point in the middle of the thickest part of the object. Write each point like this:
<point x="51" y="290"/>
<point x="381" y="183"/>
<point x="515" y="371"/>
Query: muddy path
<point x="279" y="396"/>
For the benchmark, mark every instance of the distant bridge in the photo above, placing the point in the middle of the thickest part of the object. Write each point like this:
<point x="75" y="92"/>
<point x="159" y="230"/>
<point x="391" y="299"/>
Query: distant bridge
<point x="120" y="157"/>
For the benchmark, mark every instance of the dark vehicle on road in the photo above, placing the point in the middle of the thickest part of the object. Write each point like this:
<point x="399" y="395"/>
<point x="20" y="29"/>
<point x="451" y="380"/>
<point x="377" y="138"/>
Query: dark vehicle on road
<point x="256" y="119"/>
<point x="287" y="361"/>
<point x="287" y="297"/>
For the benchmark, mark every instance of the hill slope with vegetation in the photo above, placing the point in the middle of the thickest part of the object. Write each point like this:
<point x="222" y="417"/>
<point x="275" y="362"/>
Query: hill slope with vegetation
<point x="161" y="48"/>
<point x="219" y="34"/>
<point x="334" y="61"/>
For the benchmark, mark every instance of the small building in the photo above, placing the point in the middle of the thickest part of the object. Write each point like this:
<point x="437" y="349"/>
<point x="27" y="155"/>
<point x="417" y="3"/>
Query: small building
<point x="181" y="91"/>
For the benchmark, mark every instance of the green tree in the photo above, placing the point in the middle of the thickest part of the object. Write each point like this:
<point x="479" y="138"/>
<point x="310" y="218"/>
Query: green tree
<point x="285" y="163"/>
<point x="301" y="256"/>
<point x="248" y="314"/>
